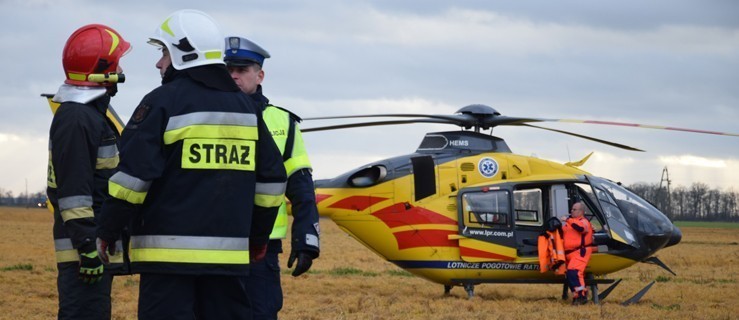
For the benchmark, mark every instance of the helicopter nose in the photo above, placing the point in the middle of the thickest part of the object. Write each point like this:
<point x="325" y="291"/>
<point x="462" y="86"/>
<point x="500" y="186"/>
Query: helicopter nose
<point x="675" y="237"/>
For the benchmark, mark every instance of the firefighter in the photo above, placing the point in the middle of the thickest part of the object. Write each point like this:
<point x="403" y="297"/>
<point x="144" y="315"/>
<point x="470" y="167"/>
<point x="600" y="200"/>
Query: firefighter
<point x="83" y="154"/>
<point x="245" y="60"/>
<point x="578" y="236"/>
<point x="199" y="180"/>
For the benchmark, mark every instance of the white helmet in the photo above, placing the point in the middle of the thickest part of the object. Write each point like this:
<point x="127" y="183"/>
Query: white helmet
<point x="192" y="37"/>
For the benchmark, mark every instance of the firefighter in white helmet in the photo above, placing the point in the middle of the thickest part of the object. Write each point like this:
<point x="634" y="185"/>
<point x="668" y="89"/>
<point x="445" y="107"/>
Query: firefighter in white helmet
<point x="200" y="181"/>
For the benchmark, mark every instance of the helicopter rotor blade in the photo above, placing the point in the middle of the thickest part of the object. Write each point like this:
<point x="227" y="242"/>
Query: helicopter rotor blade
<point x="637" y="125"/>
<point x="375" y="123"/>
<point x="613" y="144"/>
<point x="450" y="117"/>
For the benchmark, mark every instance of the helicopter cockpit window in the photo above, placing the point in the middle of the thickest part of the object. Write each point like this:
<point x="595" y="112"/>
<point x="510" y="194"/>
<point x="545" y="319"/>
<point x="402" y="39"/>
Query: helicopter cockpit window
<point x="527" y="207"/>
<point x="486" y="209"/>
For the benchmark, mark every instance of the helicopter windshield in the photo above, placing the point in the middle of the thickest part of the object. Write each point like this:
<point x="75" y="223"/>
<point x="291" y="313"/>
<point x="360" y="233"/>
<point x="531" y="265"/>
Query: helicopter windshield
<point x="641" y="215"/>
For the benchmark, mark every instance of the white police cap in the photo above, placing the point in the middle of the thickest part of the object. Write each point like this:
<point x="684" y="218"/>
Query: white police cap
<point x="242" y="52"/>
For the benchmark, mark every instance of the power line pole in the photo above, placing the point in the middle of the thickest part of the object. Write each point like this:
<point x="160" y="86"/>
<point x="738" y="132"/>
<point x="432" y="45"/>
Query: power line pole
<point x="667" y="204"/>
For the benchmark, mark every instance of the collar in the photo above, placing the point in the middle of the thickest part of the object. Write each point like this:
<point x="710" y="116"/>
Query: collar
<point x="79" y="94"/>
<point x="259" y="98"/>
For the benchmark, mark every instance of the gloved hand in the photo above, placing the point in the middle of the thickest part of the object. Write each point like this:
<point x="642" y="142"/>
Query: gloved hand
<point x="257" y="252"/>
<point x="91" y="268"/>
<point x="104" y="249"/>
<point x="305" y="260"/>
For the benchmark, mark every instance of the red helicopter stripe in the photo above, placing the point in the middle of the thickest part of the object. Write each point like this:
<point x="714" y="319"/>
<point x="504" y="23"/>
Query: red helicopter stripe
<point x="469" y="252"/>
<point x="399" y="215"/>
<point x="358" y="203"/>
<point x="424" y="238"/>
<point x="321" y="197"/>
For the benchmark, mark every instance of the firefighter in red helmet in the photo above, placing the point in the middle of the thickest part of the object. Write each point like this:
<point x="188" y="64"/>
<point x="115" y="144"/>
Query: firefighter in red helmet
<point x="83" y="154"/>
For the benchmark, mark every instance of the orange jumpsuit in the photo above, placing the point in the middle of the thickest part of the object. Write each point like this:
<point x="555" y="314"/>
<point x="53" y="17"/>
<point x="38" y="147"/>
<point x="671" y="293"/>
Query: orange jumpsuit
<point x="578" y="236"/>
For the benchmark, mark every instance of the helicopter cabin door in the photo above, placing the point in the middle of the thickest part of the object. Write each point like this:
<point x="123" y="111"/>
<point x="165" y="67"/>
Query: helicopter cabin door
<point x="602" y="194"/>
<point x="485" y="223"/>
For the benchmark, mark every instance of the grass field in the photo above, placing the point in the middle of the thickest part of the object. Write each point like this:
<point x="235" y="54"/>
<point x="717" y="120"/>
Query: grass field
<point x="350" y="282"/>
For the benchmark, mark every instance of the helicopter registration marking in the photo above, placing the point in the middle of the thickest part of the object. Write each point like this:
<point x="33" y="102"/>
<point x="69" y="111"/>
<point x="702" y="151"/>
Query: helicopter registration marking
<point x="488" y="167"/>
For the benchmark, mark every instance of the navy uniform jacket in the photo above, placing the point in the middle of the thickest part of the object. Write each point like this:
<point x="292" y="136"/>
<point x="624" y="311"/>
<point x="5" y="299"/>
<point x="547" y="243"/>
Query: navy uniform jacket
<point x="199" y="176"/>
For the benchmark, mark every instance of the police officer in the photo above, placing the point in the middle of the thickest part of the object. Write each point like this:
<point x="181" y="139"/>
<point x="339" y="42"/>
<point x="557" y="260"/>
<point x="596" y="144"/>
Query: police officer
<point x="200" y="179"/>
<point x="244" y="60"/>
<point x="578" y="236"/>
<point x="83" y="154"/>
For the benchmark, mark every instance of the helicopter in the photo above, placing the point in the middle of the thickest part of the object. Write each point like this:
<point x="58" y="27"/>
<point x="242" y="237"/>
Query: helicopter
<point x="463" y="210"/>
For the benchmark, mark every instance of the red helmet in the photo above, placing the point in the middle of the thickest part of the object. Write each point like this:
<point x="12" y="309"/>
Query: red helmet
<point x="93" y="49"/>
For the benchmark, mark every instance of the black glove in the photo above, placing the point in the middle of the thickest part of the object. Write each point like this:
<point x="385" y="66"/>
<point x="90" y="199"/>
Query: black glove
<point x="305" y="260"/>
<point x="91" y="268"/>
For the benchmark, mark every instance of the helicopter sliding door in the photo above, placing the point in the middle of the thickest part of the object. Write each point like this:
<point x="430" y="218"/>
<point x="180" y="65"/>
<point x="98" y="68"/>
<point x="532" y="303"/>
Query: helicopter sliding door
<point x="486" y="232"/>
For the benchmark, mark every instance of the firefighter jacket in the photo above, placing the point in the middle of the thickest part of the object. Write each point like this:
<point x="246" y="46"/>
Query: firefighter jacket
<point x="551" y="252"/>
<point x="199" y="176"/>
<point x="283" y="125"/>
<point x="83" y="154"/>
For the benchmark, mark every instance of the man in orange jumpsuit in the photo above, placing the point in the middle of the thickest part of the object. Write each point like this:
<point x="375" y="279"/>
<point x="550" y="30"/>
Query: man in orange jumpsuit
<point x="578" y="236"/>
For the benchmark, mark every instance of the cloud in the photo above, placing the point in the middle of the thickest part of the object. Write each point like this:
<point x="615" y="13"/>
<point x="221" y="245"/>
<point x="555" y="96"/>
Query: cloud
<point x="24" y="160"/>
<point x="694" y="161"/>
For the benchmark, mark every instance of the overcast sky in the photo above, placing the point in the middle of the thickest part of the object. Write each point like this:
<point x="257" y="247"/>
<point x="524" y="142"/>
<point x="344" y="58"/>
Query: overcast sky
<point x="672" y="63"/>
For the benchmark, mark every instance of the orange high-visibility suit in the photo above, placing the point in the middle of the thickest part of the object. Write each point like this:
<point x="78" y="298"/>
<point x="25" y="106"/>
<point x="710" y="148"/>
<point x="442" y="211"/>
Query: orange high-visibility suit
<point x="578" y="236"/>
<point x="551" y="252"/>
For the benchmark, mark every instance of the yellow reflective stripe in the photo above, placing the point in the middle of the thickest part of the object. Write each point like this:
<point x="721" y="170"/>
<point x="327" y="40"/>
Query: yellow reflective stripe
<point x="165" y="27"/>
<point x="190" y="256"/>
<point x="67" y="256"/>
<point x="268" y="201"/>
<point x="77" y="213"/>
<point x="213" y="54"/>
<point x="211" y="131"/>
<point x="296" y="163"/>
<point x="120" y="192"/>
<point x="77" y="76"/>
<point x="107" y="163"/>
<point x="279" y="231"/>
<point x="115" y="41"/>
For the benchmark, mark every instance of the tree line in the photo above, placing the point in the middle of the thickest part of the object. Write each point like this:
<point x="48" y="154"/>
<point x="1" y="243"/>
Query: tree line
<point x="23" y="199"/>
<point x="696" y="202"/>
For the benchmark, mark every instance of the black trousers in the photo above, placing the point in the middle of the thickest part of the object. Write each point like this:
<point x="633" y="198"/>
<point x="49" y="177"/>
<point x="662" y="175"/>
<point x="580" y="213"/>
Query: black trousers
<point x="263" y="287"/>
<point x="171" y="296"/>
<point x="78" y="300"/>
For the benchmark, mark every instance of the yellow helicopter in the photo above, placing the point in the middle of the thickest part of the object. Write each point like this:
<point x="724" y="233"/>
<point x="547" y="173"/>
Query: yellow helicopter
<point x="463" y="210"/>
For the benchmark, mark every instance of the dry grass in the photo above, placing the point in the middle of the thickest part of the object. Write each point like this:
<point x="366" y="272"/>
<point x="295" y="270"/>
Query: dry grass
<point x="350" y="282"/>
